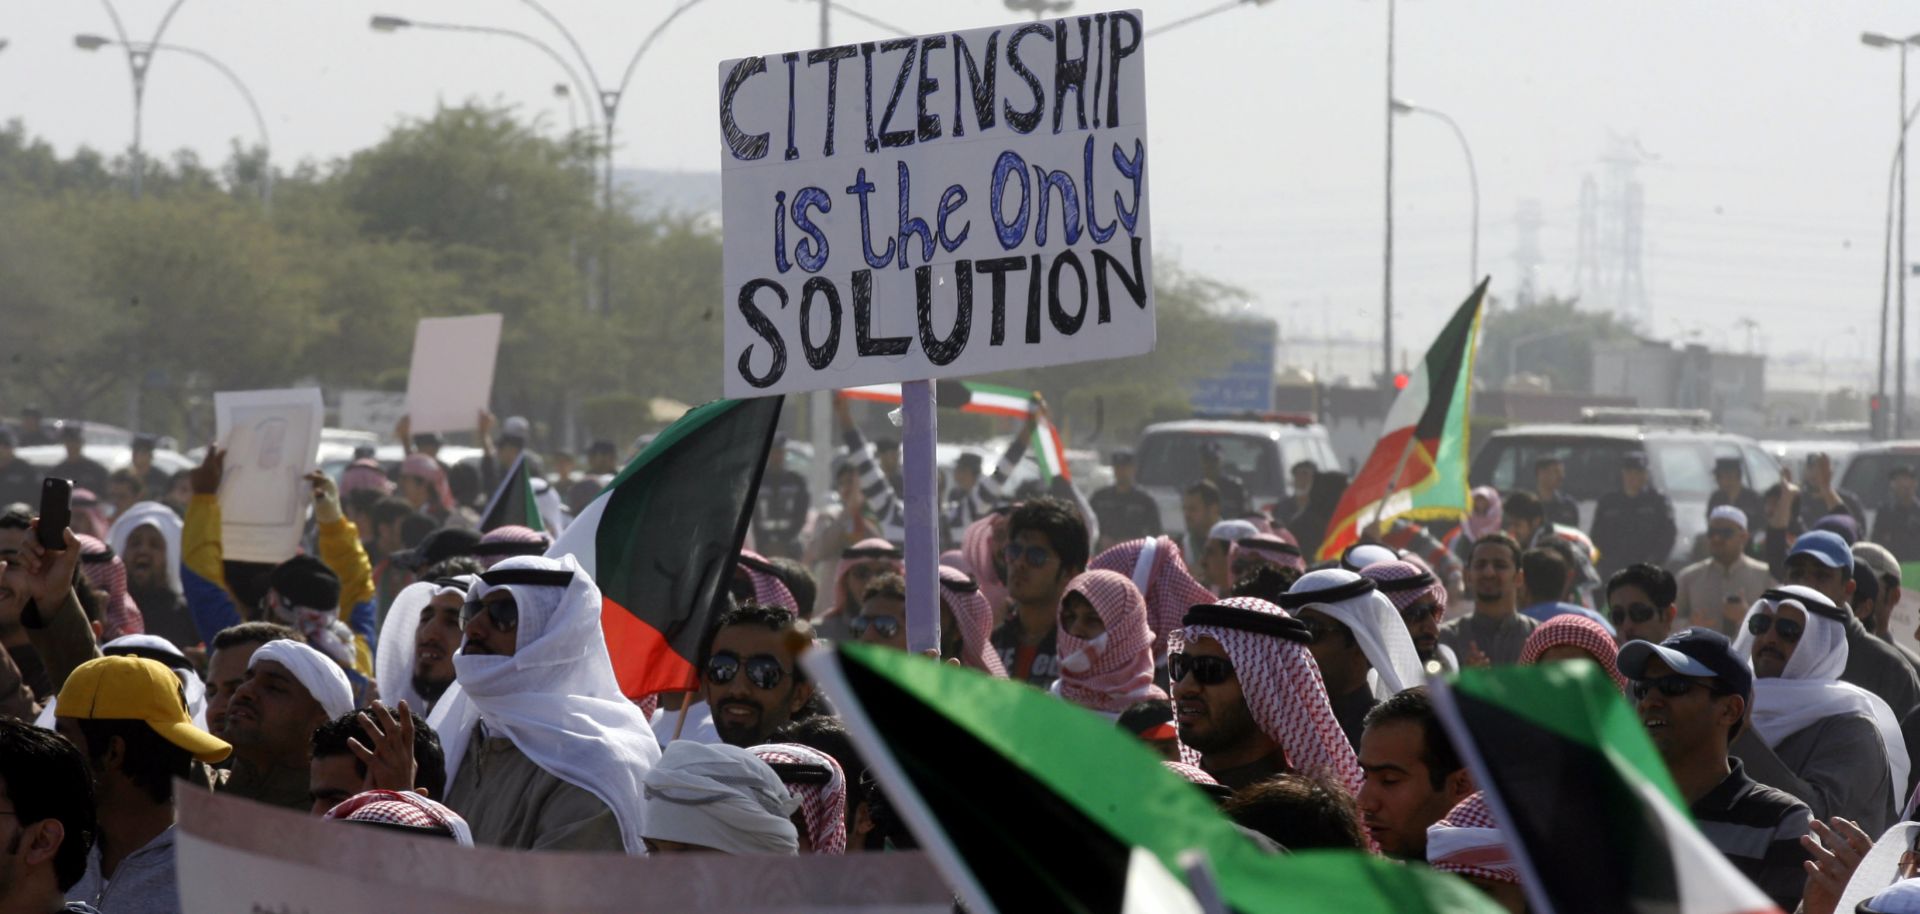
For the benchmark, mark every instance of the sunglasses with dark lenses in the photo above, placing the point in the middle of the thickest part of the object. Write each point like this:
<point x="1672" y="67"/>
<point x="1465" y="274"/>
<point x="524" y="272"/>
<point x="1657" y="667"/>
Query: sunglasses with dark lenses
<point x="504" y="614"/>
<point x="1419" y="612"/>
<point x="1206" y="670"/>
<point x="1672" y="686"/>
<point x="866" y="571"/>
<point x="1640" y="613"/>
<point x="1035" y="556"/>
<point x="763" y="670"/>
<point x="1788" y="629"/>
<point x="887" y="626"/>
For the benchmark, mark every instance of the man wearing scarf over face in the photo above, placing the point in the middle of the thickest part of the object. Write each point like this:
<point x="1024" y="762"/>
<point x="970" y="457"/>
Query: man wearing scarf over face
<point x="543" y="752"/>
<point x="1247" y="696"/>
<point x="1833" y="745"/>
<point x="1361" y="646"/>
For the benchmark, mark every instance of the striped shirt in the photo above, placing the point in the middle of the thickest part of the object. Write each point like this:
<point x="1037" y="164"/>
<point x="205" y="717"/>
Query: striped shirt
<point x="1758" y="829"/>
<point x="964" y="506"/>
<point x="885" y="505"/>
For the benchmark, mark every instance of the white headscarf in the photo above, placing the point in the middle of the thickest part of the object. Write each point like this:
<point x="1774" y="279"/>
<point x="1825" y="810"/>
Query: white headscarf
<point x="160" y="517"/>
<point x="393" y="656"/>
<point x="322" y="677"/>
<point x="556" y="698"/>
<point x="1376" y="625"/>
<point x="1809" y="688"/>
<point x="722" y="797"/>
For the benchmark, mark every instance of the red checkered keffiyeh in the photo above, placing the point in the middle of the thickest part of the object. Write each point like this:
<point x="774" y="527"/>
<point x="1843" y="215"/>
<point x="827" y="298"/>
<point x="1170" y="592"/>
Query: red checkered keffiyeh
<point x="1193" y="773"/>
<point x="768" y="590"/>
<point x="840" y="595"/>
<point x="1284" y="693"/>
<point x="1400" y="581"/>
<point x="823" y="806"/>
<point x="1171" y="589"/>
<point x="403" y="808"/>
<point x="506" y="541"/>
<point x="1467" y="841"/>
<point x="1113" y="671"/>
<point x="1265" y="547"/>
<point x="108" y="575"/>
<point x="977" y="546"/>
<point x="1578" y="631"/>
<point x="973" y="618"/>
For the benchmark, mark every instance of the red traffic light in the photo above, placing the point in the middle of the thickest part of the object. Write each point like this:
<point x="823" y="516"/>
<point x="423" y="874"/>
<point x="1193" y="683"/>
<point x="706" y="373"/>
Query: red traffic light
<point x="1400" y="380"/>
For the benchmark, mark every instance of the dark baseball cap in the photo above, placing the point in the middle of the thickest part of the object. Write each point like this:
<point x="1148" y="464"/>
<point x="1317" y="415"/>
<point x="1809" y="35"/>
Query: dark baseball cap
<point x="1697" y="651"/>
<point x="1726" y="464"/>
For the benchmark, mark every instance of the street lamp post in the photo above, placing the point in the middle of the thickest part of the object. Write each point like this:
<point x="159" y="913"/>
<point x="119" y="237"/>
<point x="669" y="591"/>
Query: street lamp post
<point x="1877" y="40"/>
<point x="1401" y="106"/>
<point x="1386" y="273"/>
<point x="138" y="60"/>
<point x="96" y="42"/>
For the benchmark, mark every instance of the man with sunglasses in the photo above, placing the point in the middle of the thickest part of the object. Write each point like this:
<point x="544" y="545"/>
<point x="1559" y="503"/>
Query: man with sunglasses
<point x="1716" y="591"/>
<point x="1359" y="643"/>
<point x="1692" y="693"/>
<point x="1421" y="600"/>
<point x="1247" y="698"/>
<point x="1823" y="561"/>
<point x="1046" y="548"/>
<point x="883" y="613"/>
<point x="1640" y="602"/>
<point x="1832" y="744"/>
<point x="543" y="752"/>
<point x="750" y="676"/>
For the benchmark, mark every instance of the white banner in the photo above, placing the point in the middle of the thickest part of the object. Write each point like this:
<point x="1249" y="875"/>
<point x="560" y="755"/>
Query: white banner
<point x="271" y="437"/>
<point x="939" y="206"/>
<point x="451" y="378"/>
<point x="236" y="856"/>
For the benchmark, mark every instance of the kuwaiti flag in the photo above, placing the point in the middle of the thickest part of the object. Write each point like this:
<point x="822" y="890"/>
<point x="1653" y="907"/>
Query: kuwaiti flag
<point x="1029" y="803"/>
<point x="1586" y="804"/>
<point x="662" y="538"/>
<point x="1418" y="468"/>
<point x="514" y="502"/>
<point x="965" y="396"/>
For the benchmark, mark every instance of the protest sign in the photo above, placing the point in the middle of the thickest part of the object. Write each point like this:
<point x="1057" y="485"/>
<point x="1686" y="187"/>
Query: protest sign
<point x="936" y="206"/>
<point x="376" y="411"/>
<point x="240" y="857"/>
<point x="271" y="437"/>
<point x="451" y="379"/>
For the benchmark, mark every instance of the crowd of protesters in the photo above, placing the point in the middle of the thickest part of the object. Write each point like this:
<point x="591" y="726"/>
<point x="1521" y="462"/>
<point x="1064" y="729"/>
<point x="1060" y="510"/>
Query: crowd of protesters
<point x="408" y="670"/>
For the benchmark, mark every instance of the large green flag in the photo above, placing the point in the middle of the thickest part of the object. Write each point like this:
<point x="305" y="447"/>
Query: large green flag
<point x="1029" y="803"/>
<point x="1583" y="797"/>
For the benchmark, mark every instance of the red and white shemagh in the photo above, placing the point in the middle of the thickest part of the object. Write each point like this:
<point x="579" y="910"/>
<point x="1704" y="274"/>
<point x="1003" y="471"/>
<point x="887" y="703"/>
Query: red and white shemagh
<point x="1386" y="575"/>
<point x="1193" y="773"/>
<point x="1171" y="589"/>
<point x="846" y="566"/>
<point x="767" y="589"/>
<point x="823" y="806"/>
<point x="1581" y="632"/>
<point x="977" y="546"/>
<point x="974" y="618"/>
<point x="513" y="535"/>
<point x="397" y="807"/>
<point x="1469" y="842"/>
<point x="1284" y="693"/>
<point x="1115" y="670"/>
<point x="108" y="575"/>
<point x="1268" y="548"/>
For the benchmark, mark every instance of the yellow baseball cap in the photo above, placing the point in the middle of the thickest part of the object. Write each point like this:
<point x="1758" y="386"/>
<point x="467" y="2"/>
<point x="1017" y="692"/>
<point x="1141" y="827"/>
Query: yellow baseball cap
<point x="135" y="688"/>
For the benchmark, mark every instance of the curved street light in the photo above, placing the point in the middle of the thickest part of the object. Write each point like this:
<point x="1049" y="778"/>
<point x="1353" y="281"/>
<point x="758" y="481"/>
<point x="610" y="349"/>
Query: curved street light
<point x="137" y="63"/>
<point x="391" y="24"/>
<point x="1404" y="107"/>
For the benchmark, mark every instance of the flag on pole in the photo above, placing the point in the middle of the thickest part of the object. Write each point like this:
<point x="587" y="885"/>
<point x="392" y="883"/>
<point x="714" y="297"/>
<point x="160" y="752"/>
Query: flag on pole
<point x="662" y="538"/>
<point x="1028" y="803"/>
<point x="1050" y="452"/>
<point x="513" y="502"/>
<point x="1622" y="841"/>
<point x="965" y="396"/>
<point x="1418" y="468"/>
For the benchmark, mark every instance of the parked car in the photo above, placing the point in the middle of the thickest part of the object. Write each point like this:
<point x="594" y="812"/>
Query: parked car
<point x="1793" y="455"/>
<point x="1167" y="459"/>
<point x="112" y="456"/>
<point x="1680" y="462"/>
<point x="1868" y="468"/>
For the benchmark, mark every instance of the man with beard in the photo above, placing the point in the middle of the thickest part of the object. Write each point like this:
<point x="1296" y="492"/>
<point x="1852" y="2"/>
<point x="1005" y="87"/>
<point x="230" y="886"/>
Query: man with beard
<point x="1422" y="600"/>
<point x="421" y="634"/>
<point x="1046" y="548"/>
<point x="1247" y="697"/>
<point x="1360" y="643"/>
<point x="227" y="662"/>
<point x="543" y="752"/>
<point x="1823" y="561"/>
<point x="750" y="677"/>
<point x="1495" y="631"/>
<point x="289" y="691"/>
<point x="147" y="539"/>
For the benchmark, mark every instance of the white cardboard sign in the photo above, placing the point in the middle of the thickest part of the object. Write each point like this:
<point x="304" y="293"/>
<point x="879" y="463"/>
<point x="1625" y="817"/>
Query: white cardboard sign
<point x="451" y="378"/>
<point x="938" y="206"/>
<point x="271" y="438"/>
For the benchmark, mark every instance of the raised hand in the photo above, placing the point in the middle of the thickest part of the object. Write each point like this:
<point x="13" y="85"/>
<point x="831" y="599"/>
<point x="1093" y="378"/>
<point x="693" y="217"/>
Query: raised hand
<point x="389" y="760"/>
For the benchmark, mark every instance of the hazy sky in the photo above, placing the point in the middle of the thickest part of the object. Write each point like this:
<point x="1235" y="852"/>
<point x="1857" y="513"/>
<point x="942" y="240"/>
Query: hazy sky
<point x="1768" y="129"/>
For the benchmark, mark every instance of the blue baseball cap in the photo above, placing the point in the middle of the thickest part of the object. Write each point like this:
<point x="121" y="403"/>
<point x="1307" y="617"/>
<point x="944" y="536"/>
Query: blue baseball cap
<point x="1826" y="547"/>
<point x="1699" y="652"/>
